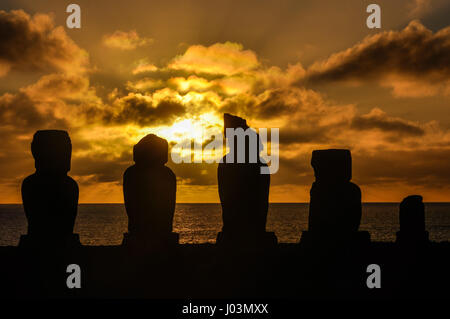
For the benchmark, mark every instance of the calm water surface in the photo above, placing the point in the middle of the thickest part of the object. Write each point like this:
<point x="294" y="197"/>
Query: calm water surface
<point x="104" y="224"/>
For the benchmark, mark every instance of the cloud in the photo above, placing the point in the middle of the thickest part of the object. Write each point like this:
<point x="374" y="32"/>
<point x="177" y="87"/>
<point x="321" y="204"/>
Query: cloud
<point x="192" y="83"/>
<point x="125" y="40"/>
<point x="145" y="85"/>
<point x="20" y="114"/>
<point x="20" y="117"/>
<point x="33" y="43"/>
<point x="412" y="56"/>
<point x="144" y="67"/>
<point x="143" y="111"/>
<point x="418" y="8"/>
<point x="377" y="119"/>
<point x="414" y="167"/>
<point x="406" y="170"/>
<point x="220" y="58"/>
<point x="224" y="68"/>
<point x="58" y="85"/>
<point x="102" y="167"/>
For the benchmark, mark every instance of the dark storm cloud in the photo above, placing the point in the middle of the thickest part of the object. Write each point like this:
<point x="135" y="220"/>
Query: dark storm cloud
<point x="275" y="105"/>
<point x="140" y="110"/>
<point x="20" y="112"/>
<point x="297" y="135"/>
<point x="414" y="51"/>
<point x="101" y="167"/>
<point x="34" y="43"/>
<point x="377" y="119"/>
<point x="311" y="119"/>
<point x="424" y="168"/>
<point x="19" y="119"/>
<point x="413" y="167"/>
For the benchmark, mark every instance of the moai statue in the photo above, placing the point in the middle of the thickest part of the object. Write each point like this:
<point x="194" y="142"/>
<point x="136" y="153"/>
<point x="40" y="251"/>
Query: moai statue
<point x="149" y="189"/>
<point x="243" y="190"/>
<point x="50" y="197"/>
<point x="412" y="221"/>
<point x="335" y="202"/>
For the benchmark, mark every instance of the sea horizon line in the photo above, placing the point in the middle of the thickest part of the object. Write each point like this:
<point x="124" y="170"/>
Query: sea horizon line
<point x="218" y="203"/>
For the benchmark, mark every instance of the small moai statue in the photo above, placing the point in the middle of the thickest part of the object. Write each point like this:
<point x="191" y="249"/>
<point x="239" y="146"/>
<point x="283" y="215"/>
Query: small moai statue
<point x="243" y="189"/>
<point x="412" y="221"/>
<point x="149" y="189"/>
<point x="335" y="202"/>
<point x="50" y="196"/>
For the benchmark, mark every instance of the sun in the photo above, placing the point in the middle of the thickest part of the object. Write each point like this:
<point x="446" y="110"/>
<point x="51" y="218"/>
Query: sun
<point x="197" y="128"/>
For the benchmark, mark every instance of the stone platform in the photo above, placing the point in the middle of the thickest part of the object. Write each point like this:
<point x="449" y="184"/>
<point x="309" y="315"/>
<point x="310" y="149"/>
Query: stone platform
<point x="293" y="271"/>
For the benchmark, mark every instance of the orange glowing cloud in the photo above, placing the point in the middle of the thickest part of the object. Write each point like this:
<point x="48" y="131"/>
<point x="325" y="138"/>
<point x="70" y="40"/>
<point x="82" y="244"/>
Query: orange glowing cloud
<point x="143" y="66"/>
<point x="125" y="40"/>
<point x="221" y="58"/>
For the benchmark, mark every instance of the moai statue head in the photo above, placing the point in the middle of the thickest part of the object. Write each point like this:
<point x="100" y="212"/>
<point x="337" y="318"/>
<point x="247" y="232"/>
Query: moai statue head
<point x="250" y="141"/>
<point x="332" y="165"/>
<point x="52" y="151"/>
<point x="150" y="151"/>
<point x="232" y="121"/>
<point x="412" y="214"/>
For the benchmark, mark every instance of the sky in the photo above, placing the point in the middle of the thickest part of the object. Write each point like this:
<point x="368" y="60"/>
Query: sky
<point x="310" y="68"/>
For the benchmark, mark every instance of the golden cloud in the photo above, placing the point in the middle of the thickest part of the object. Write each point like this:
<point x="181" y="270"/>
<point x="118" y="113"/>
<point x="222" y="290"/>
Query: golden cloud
<point x="125" y="40"/>
<point x="192" y="83"/>
<point x="144" y="67"/>
<point x="220" y="58"/>
<point x="145" y="85"/>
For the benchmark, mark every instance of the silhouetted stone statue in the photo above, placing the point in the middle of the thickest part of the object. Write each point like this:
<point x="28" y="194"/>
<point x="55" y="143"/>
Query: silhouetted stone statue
<point x="412" y="221"/>
<point x="243" y="190"/>
<point x="335" y="204"/>
<point x="149" y="189"/>
<point x="50" y="197"/>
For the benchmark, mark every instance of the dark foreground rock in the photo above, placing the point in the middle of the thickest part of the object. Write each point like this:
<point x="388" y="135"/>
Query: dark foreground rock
<point x="210" y="271"/>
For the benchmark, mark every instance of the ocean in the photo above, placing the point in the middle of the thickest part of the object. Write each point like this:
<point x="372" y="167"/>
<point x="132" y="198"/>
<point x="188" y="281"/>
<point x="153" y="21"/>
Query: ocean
<point x="104" y="224"/>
